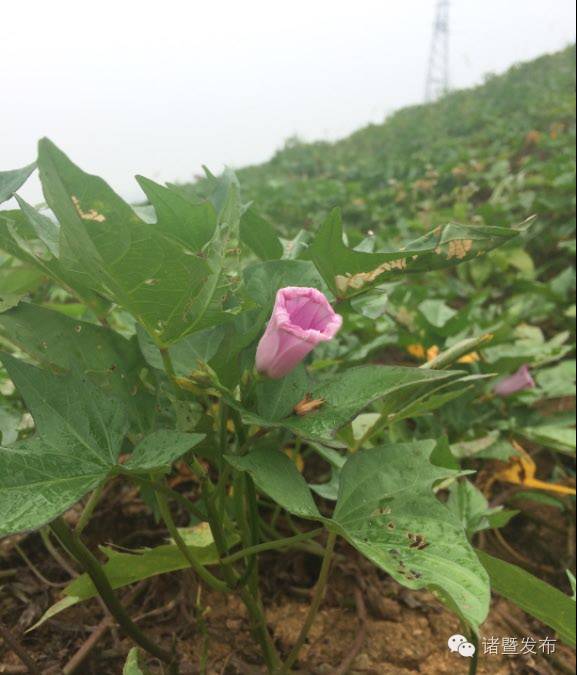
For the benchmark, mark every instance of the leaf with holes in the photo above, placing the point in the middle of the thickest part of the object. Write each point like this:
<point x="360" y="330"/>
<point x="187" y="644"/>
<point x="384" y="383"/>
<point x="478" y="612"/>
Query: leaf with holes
<point x="387" y="510"/>
<point x="349" y="272"/>
<point x="172" y="289"/>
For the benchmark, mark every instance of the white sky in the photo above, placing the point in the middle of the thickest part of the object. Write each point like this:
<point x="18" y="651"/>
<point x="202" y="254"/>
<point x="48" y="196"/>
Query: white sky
<point x="160" y="88"/>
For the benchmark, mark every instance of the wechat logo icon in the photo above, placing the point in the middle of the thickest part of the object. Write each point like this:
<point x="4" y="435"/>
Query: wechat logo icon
<point x="460" y="644"/>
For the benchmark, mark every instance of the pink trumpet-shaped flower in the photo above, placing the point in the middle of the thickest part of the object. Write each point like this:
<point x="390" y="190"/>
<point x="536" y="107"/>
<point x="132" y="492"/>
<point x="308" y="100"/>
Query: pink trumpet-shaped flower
<point x="520" y="381"/>
<point x="301" y="318"/>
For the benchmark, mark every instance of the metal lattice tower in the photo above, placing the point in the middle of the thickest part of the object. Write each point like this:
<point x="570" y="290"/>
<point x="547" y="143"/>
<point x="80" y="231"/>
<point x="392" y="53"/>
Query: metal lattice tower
<point x="438" y="71"/>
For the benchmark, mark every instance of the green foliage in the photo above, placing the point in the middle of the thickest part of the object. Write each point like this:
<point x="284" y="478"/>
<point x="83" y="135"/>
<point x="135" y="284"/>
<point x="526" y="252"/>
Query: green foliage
<point x="387" y="510"/>
<point x="171" y="287"/>
<point x="349" y="271"/>
<point x="544" y="602"/>
<point x="142" y="324"/>
<point x="123" y="569"/>
<point x="79" y="437"/>
<point x="10" y="181"/>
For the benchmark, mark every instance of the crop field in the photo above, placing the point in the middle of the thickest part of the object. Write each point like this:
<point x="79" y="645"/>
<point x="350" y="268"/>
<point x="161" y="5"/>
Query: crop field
<point x="315" y="415"/>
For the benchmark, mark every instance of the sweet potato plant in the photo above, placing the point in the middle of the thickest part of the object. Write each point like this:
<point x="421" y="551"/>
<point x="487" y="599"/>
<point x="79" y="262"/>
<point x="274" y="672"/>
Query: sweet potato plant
<point x="188" y="333"/>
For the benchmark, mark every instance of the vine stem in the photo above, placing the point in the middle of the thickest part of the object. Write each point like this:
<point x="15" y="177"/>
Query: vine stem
<point x="89" y="509"/>
<point x="475" y="659"/>
<point x="208" y="578"/>
<point x="315" y="604"/>
<point x="270" y="546"/>
<point x="78" y="550"/>
<point x="168" y="492"/>
<point x="252" y="604"/>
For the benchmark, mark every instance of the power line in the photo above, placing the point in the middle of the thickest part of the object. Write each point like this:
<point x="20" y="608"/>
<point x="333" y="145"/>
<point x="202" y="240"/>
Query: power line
<point x="438" y="79"/>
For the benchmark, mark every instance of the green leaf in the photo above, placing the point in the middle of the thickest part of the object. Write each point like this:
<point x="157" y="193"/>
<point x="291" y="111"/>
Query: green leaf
<point x="133" y="664"/>
<point x="186" y="354"/>
<point x="387" y="510"/>
<point x="438" y="397"/>
<point x="263" y="280"/>
<point x="259" y="235"/>
<point x="39" y="481"/>
<point x="191" y="225"/>
<point x="110" y="361"/>
<point x="160" y="449"/>
<point x="47" y="230"/>
<point x="346" y="394"/>
<point x="437" y="312"/>
<point x="170" y="289"/>
<point x="10" y="181"/>
<point x="275" y="475"/>
<point x="537" y="598"/>
<point x="349" y="272"/>
<point x="277" y="398"/>
<point x="20" y="239"/>
<point x="70" y="414"/>
<point x="124" y="568"/>
<point x="78" y="440"/>
<point x="561" y="439"/>
<point x="471" y="507"/>
<point x="8" y="301"/>
<point x="79" y="436"/>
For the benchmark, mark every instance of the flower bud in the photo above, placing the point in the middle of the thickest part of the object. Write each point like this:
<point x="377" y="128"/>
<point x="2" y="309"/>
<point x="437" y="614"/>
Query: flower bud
<point x="301" y="318"/>
<point x="520" y="381"/>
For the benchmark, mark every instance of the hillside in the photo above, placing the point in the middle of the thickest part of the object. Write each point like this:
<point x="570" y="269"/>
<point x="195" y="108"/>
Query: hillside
<point x="492" y="154"/>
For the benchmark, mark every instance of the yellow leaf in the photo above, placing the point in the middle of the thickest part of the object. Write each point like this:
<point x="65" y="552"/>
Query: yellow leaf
<point x="521" y="470"/>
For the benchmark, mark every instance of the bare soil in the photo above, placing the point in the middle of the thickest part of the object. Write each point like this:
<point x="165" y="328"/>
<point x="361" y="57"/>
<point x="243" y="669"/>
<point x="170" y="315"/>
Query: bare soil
<point x="369" y="624"/>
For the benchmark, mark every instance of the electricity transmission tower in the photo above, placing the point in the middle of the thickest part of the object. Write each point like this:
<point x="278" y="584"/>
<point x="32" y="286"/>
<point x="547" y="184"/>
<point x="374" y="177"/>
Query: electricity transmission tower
<point x="438" y="70"/>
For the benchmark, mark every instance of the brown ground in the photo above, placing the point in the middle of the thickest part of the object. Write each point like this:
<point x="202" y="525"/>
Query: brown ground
<point x="381" y="628"/>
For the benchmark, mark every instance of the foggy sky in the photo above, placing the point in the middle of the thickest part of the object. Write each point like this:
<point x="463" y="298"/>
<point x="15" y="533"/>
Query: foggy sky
<point x="160" y="88"/>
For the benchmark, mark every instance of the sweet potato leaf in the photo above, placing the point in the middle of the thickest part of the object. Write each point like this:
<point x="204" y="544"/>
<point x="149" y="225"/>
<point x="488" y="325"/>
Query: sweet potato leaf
<point x="348" y="272"/>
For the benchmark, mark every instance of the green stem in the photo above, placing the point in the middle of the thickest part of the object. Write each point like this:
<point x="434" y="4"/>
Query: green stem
<point x="168" y="492"/>
<point x="254" y="609"/>
<point x="201" y="571"/>
<point x="78" y="550"/>
<point x="218" y="533"/>
<point x="169" y="368"/>
<point x="315" y="604"/>
<point x="88" y="510"/>
<point x="171" y="374"/>
<point x="475" y="659"/>
<point x="270" y="546"/>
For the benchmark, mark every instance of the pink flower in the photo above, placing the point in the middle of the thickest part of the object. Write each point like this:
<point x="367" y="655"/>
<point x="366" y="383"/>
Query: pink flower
<point x="301" y="318"/>
<point x="520" y="381"/>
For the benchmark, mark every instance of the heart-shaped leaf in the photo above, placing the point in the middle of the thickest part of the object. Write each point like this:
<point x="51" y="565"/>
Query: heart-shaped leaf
<point x="387" y="510"/>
